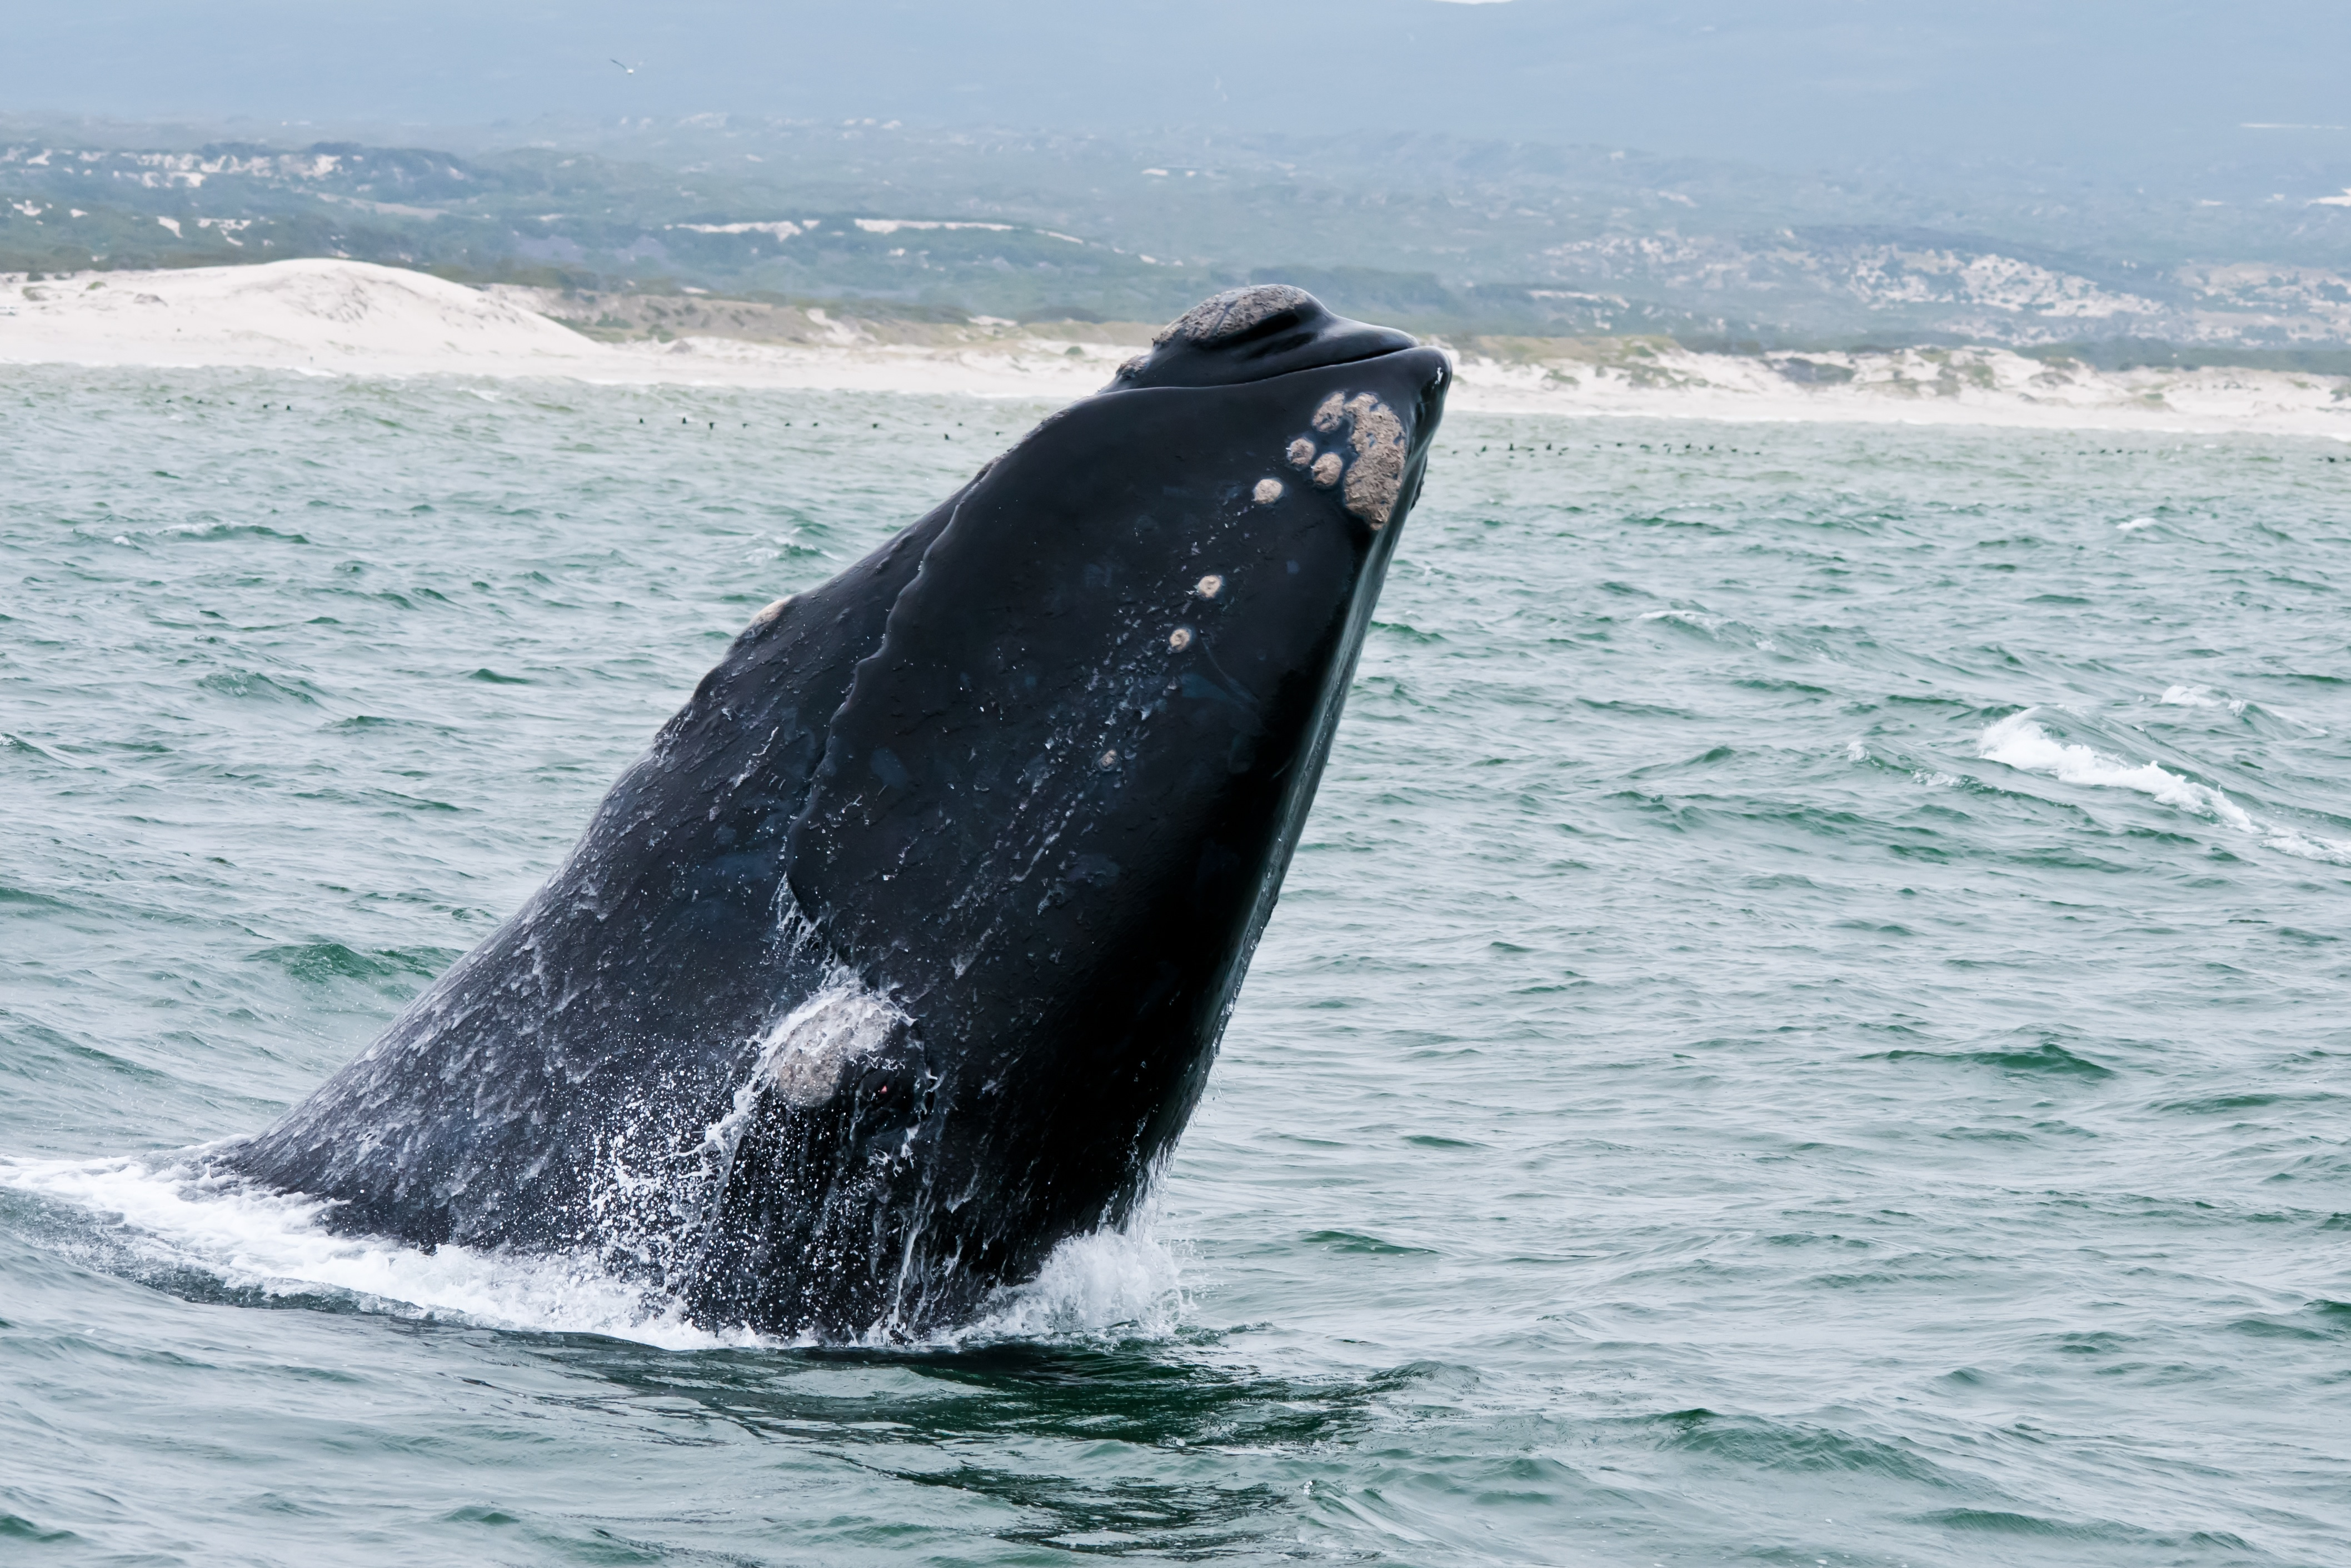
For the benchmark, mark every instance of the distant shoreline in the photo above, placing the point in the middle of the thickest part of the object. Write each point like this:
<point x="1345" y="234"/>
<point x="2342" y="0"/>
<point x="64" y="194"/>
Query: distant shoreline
<point x="349" y="318"/>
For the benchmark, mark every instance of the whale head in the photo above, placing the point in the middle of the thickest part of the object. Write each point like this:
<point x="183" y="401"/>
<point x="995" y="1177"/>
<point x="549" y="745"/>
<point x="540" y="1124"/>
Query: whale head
<point x="1052" y="814"/>
<point x="902" y="955"/>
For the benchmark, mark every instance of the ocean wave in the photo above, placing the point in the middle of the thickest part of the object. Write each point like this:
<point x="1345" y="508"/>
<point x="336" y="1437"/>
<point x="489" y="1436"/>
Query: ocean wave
<point x="1721" y="628"/>
<point x="2198" y="696"/>
<point x="2019" y="742"/>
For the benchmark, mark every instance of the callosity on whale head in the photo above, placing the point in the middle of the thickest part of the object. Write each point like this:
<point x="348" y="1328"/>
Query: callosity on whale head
<point x="903" y="954"/>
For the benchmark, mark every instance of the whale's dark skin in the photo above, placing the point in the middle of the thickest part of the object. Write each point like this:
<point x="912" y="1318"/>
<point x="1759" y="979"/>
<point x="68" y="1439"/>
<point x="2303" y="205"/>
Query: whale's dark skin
<point x="903" y="953"/>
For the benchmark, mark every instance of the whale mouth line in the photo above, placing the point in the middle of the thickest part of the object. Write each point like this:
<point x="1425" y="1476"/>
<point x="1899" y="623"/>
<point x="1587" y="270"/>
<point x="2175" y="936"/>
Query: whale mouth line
<point x="1333" y="363"/>
<point x="1347" y="359"/>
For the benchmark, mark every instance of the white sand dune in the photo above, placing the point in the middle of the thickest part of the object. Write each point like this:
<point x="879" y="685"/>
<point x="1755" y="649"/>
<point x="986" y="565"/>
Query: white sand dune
<point x="357" y="318"/>
<point x="340" y="317"/>
<point x="1972" y="386"/>
<point x="324" y="314"/>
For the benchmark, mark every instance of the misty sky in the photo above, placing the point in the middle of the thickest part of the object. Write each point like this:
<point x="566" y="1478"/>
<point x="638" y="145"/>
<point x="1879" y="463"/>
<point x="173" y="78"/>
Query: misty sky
<point x="2111" y="88"/>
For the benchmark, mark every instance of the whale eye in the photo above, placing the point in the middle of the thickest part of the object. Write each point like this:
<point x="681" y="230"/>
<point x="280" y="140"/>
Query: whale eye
<point x="1209" y="586"/>
<point x="1180" y="638"/>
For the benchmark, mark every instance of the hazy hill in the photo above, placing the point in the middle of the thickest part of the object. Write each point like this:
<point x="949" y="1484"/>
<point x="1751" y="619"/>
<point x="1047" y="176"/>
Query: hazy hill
<point x="1442" y="232"/>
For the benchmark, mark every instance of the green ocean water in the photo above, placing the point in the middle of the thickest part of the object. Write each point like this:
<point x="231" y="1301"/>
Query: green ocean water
<point x="1809" y="1026"/>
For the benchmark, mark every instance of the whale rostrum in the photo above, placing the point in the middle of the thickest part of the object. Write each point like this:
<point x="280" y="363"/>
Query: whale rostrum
<point x="903" y="953"/>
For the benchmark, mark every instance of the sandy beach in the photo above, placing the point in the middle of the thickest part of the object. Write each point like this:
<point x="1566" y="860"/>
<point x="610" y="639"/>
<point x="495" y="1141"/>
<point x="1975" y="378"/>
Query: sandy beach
<point x="347" y="318"/>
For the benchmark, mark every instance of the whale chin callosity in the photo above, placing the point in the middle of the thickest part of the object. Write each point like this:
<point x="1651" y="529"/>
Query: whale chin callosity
<point x="902" y="955"/>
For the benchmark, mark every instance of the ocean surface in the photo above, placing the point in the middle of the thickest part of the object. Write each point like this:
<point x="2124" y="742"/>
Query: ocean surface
<point x="1811" y="1024"/>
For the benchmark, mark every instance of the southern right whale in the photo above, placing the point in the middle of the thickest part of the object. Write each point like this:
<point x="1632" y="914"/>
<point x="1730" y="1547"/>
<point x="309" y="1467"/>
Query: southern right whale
<point x="903" y="953"/>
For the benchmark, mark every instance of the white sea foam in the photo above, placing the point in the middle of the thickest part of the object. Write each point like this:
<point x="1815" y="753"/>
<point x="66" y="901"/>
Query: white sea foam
<point x="2019" y="742"/>
<point x="169" y="1215"/>
<point x="2022" y="743"/>
<point x="2133" y="524"/>
<point x="1697" y="620"/>
<point x="1722" y="628"/>
<point x="163" y="1214"/>
<point x="1122" y="1284"/>
<point x="2205" y="696"/>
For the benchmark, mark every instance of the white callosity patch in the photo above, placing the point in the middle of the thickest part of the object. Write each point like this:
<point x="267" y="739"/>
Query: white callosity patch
<point x="1376" y="477"/>
<point x="804" y="1057"/>
<point x="1266" y="493"/>
<point x="1374" y="474"/>
<point x="1230" y="314"/>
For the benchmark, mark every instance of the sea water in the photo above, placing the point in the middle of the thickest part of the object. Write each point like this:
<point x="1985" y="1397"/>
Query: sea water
<point x="1809" y="1025"/>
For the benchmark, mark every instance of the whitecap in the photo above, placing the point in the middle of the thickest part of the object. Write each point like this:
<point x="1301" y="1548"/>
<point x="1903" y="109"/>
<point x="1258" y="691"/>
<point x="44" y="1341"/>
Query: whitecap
<point x="2200" y="696"/>
<point x="1694" y="619"/>
<point x="2329" y="851"/>
<point x="2134" y="524"/>
<point x="2022" y="743"/>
